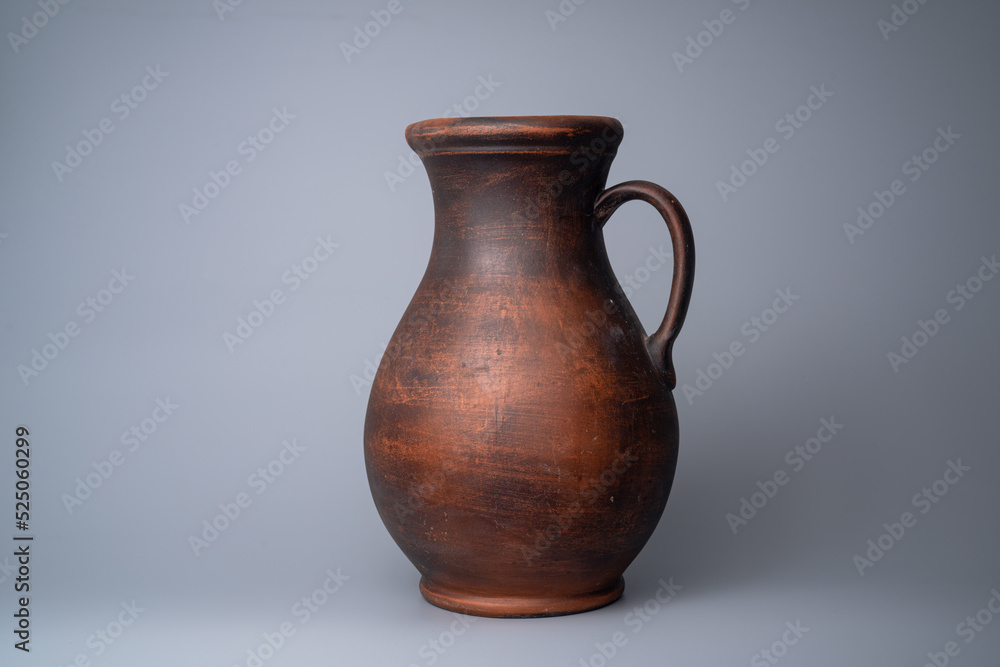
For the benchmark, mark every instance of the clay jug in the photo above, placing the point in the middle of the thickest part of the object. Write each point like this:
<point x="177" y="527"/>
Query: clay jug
<point x="521" y="436"/>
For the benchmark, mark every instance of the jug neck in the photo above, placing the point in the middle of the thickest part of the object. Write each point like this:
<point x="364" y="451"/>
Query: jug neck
<point x="516" y="183"/>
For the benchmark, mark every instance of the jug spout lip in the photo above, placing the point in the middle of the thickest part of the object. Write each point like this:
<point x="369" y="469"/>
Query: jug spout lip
<point x="502" y="134"/>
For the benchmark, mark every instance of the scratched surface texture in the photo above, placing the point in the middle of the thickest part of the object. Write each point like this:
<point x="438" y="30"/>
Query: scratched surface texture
<point x="211" y="224"/>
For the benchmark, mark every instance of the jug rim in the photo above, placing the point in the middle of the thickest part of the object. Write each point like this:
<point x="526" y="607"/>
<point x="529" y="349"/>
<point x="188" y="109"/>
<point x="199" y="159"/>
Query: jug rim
<point x="555" y="133"/>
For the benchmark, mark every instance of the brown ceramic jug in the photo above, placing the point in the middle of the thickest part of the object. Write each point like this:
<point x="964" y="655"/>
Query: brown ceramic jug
<point x="521" y="435"/>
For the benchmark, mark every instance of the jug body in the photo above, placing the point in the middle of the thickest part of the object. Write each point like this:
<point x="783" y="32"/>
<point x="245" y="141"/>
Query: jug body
<point x="521" y="437"/>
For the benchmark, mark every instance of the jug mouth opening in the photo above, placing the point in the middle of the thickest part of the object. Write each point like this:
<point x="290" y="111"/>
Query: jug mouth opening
<point x="506" y="134"/>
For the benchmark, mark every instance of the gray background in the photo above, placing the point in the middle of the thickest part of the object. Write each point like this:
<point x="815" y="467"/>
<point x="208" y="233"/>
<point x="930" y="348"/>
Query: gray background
<point x="324" y="176"/>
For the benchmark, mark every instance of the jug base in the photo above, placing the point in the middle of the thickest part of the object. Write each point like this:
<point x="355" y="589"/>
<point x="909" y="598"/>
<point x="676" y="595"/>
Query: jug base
<point x="517" y="607"/>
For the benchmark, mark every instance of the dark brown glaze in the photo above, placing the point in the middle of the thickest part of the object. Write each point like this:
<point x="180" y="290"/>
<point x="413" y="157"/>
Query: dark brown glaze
<point x="521" y="437"/>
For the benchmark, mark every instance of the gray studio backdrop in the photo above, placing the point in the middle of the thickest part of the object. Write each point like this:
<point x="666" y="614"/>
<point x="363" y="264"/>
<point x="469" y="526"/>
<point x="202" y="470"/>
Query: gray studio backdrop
<point x="211" y="225"/>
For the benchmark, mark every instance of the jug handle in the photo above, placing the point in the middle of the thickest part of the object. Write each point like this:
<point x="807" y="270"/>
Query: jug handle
<point x="661" y="342"/>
